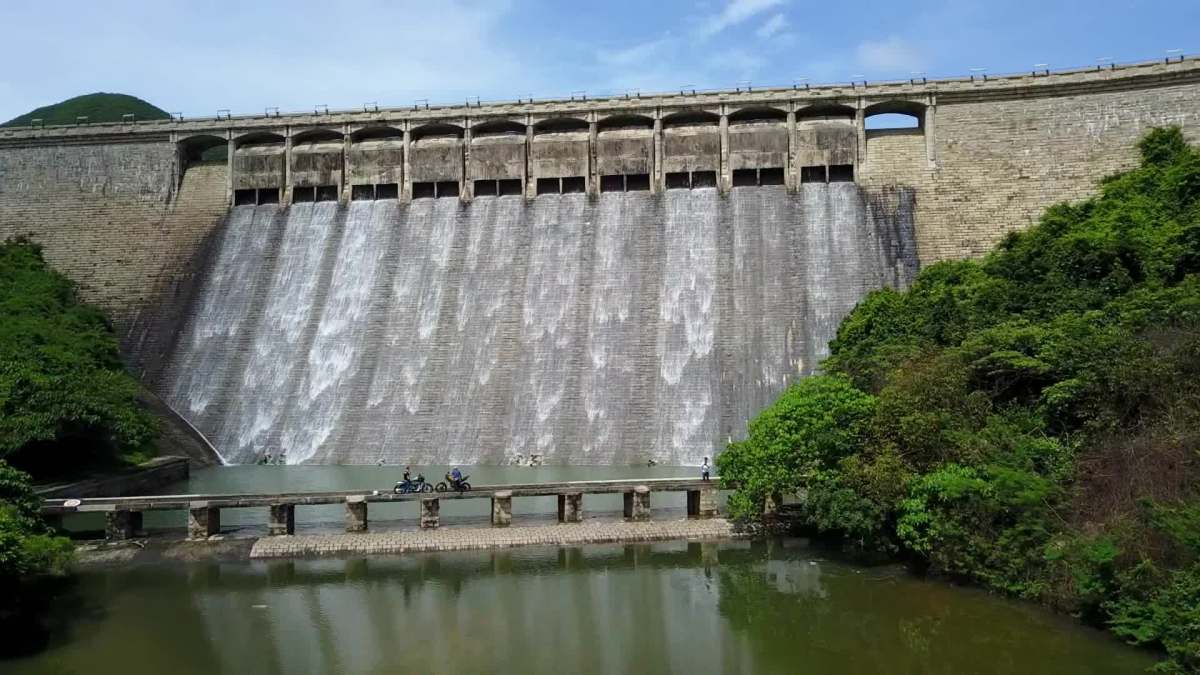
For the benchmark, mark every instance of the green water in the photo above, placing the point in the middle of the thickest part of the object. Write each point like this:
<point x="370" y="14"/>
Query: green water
<point x="736" y="607"/>
<point x="733" y="607"/>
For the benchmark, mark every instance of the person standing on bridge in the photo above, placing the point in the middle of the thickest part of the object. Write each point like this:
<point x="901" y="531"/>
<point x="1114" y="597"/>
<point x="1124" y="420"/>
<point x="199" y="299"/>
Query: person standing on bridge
<point x="704" y="470"/>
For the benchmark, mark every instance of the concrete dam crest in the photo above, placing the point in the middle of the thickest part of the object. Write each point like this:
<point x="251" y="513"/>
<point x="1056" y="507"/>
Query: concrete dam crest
<point x="568" y="328"/>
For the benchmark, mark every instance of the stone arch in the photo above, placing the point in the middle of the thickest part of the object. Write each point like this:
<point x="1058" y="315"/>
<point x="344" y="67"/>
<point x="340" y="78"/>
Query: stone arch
<point x="824" y="111"/>
<point x="758" y="114"/>
<point x="376" y="133"/>
<point x="498" y="128"/>
<point x="689" y="118"/>
<point x="625" y="122"/>
<point x="895" y="114"/>
<point x="202" y="148"/>
<point x="317" y="135"/>
<point x="436" y="129"/>
<point x="257" y="138"/>
<point x="554" y="125"/>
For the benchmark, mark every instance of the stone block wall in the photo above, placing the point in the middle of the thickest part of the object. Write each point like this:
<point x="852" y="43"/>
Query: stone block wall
<point x="111" y="218"/>
<point x="998" y="164"/>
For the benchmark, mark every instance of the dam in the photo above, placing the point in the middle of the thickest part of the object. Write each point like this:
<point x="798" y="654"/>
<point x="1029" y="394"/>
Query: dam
<point x="617" y="330"/>
<point x="584" y="281"/>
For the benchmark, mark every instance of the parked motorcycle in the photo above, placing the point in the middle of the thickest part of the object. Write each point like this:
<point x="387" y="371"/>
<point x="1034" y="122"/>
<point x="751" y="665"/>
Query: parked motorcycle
<point x="460" y="485"/>
<point x="417" y="484"/>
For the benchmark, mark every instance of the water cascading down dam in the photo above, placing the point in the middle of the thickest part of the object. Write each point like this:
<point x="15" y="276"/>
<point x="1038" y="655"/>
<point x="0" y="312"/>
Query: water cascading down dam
<point x="585" y="330"/>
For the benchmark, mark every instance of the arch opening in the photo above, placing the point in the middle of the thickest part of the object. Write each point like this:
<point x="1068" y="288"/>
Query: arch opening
<point x="376" y="134"/>
<point x="825" y="111"/>
<point x="437" y="130"/>
<point x="260" y="138"/>
<point x="203" y="148"/>
<point x="498" y="128"/>
<point x="317" y="136"/>
<point x="558" y="125"/>
<point x="895" y="115"/>
<point x="757" y="114"/>
<point x="690" y="118"/>
<point x="625" y="122"/>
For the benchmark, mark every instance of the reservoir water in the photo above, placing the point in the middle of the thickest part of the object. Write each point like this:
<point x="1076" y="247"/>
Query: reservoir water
<point x="767" y="606"/>
<point x="775" y="606"/>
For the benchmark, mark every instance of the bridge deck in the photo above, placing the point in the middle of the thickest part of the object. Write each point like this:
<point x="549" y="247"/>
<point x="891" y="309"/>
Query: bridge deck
<point x="175" y="502"/>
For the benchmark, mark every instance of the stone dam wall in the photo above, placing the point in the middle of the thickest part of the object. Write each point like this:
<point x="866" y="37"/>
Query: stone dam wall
<point x="130" y="212"/>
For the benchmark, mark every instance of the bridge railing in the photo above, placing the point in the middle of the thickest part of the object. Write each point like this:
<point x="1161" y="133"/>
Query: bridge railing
<point x="123" y="515"/>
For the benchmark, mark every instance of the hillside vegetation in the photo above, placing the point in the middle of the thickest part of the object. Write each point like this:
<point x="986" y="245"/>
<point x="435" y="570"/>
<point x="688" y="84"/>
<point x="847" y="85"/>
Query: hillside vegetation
<point x="67" y="403"/>
<point x="98" y="107"/>
<point x="1029" y="421"/>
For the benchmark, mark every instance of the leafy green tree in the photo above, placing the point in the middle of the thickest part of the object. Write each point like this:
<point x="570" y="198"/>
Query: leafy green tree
<point x="1029" y="421"/>
<point x="66" y="401"/>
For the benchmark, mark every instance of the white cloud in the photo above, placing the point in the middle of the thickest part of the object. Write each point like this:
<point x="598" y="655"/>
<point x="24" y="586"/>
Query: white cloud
<point x="734" y="13"/>
<point x="891" y="56"/>
<point x="772" y="27"/>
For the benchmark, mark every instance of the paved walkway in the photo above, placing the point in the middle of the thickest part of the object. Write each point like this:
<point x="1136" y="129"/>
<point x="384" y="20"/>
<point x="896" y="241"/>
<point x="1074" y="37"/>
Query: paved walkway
<point x="452" y="539"/>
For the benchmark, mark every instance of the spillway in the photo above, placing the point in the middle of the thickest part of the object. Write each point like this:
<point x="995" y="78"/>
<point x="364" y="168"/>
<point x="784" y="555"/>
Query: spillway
<point x="564" y="329"/>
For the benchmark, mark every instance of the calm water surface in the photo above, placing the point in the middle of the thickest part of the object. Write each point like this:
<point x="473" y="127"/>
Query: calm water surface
<point x="734" y="607"/>
<point x="737" y="607"/>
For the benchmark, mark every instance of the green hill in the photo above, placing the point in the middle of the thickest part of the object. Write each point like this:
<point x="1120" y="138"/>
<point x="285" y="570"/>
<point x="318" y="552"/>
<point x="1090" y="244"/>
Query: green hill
<point x="98" y="107"/>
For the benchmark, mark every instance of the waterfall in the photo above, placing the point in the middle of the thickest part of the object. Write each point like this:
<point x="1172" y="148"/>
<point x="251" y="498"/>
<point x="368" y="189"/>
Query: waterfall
<point x="542" y="417"/>
<point x="583" y="330"/>
<point x="336" y="353"/>
<point x="684" y="414"/>
<point x="277" y="354"/>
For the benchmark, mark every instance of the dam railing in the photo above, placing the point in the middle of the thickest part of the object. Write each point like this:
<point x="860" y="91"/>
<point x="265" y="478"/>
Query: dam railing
<point x="123" y="515"/>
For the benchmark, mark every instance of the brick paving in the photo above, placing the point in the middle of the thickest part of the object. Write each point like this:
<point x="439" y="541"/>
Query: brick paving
<point x="459" y="539"/>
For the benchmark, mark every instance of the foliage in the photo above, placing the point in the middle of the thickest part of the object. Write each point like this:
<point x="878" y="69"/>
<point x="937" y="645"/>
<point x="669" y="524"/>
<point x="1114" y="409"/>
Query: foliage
<point x="65" y="399"/>
<point x="98" y="107"/>
<point x="29" y="551"/>
<point x="807" y="431"/>
<point x="1028" y="421"/>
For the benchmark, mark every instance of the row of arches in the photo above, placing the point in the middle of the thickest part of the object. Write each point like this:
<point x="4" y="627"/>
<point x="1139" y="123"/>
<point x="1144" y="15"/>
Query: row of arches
<point x="883" y="115"/>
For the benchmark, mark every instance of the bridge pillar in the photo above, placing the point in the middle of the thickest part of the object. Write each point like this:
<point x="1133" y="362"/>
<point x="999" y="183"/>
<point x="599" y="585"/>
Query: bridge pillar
<point x="702" y="503"/>
<point x="356" y="513"/>
<point x="637" y="503"/>
<point x="282" y="520"/>
<point x="430" y="509"/>
<point x="120" y="525"/>
<point x="203" y="520"/>
<point x="502" y="508"/>
<point x="570" y="507"/>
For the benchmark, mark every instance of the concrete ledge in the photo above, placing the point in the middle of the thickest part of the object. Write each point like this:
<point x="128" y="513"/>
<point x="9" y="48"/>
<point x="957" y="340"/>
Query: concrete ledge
<point x="490" y="538"/>
<point x="145" y="477"/>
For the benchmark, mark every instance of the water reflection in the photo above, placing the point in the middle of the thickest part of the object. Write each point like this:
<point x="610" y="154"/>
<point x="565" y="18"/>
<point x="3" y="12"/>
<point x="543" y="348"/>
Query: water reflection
<point x="663" y="608"/>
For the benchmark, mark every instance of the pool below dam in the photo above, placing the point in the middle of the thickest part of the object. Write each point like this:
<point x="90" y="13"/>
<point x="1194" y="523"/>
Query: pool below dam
<point x="566" y="329"/>
<point x="774" y="606"/>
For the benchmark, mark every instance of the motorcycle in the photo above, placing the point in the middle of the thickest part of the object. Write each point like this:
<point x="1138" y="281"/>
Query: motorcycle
<point x="418" y="484"/>
<point x="460" y="485"/>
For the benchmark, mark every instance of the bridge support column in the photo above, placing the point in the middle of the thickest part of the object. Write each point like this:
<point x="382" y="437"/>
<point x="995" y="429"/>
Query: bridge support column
<point x="431" y="508"/>
<point x="637" y="503"/>
<point x="282" y="520"/>
<point x="203" y="520"/>
<point x="502" y="509"/>
<point x="702" y="503"/>
<point x="120" y="525"/>
<point x="356" y="513"/>
<point x="570" y="507"/>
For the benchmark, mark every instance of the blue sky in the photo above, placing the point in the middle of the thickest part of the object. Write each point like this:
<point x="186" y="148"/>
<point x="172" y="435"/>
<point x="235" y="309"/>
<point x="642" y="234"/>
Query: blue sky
<point x="197" y="57"/>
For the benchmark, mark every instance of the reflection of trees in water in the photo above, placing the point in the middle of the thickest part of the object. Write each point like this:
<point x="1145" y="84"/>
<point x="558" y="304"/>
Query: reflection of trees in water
<point x="681" y="607"/>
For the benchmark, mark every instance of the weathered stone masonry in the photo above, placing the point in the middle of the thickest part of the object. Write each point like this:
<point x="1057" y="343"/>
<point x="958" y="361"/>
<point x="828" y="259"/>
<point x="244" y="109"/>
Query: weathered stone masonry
<point x="122" y="210"/>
